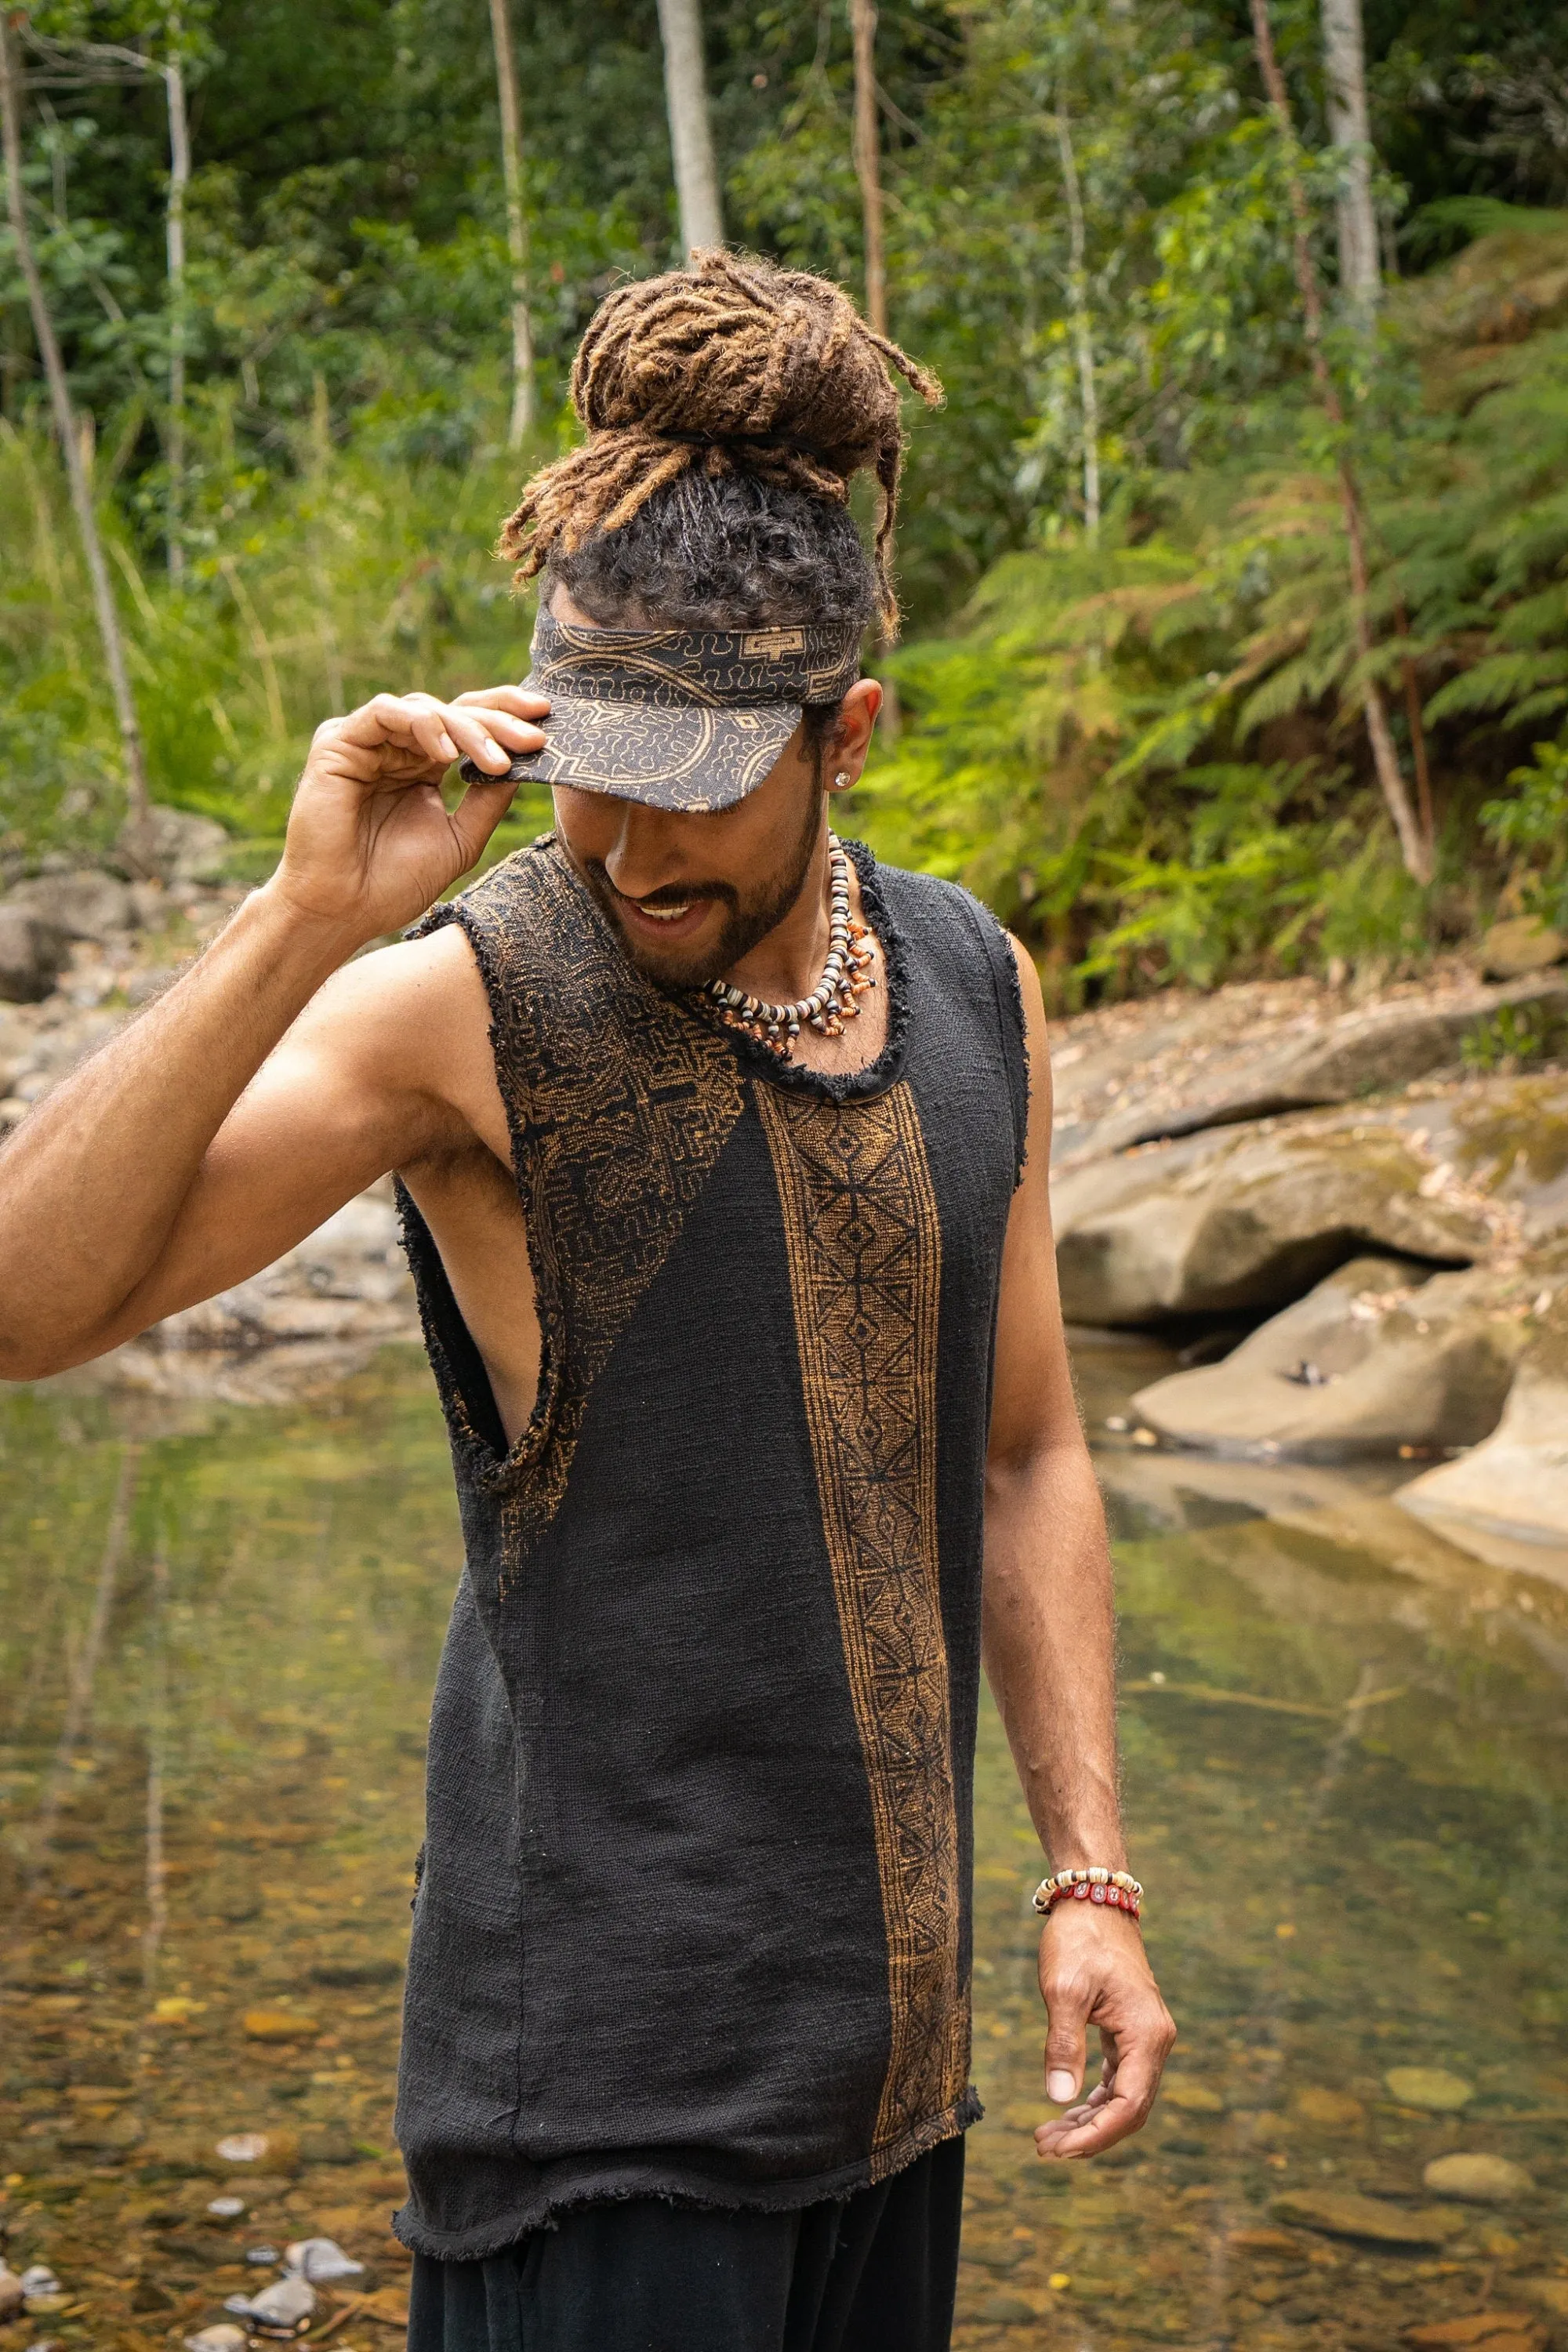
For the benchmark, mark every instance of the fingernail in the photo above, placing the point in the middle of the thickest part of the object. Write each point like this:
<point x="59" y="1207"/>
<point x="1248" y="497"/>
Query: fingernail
<point x="1060" y="2086"/>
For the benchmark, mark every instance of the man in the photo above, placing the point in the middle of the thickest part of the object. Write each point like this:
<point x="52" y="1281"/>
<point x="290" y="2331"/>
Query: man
<point x="725" y="1190"/>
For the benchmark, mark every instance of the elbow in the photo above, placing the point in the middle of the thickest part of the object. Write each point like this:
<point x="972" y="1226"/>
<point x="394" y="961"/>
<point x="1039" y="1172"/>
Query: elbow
<point x="37" y="1355"/>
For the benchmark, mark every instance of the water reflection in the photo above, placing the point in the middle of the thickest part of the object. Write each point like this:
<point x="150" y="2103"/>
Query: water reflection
<point x="1345" y="1748"/>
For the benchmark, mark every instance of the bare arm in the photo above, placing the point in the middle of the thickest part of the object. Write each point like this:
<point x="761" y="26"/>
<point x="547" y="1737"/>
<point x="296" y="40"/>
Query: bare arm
<point x="117" y="1199"/>
<point x="1049" y="1643"/>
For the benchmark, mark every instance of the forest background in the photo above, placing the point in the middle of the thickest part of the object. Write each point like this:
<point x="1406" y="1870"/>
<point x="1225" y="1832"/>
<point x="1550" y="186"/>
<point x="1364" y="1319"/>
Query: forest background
<point x="1235" y="568"/>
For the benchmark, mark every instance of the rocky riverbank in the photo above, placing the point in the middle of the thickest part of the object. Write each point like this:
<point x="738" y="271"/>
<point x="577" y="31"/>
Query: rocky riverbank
<point x="1352" y="1220"/>
<point x="1349" y="1212"/>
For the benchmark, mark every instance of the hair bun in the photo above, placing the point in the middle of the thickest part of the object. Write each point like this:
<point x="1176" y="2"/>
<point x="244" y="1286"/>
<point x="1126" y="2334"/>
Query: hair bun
<point x="733" y="366"/>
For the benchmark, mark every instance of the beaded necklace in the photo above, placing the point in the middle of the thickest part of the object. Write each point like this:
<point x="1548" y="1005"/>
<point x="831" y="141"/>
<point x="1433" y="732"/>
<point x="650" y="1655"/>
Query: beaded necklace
<point x="846" y="976"/>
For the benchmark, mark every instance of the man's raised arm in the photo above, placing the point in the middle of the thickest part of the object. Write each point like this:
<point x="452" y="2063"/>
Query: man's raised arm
<point x="115" y="1207"/>
<point x="1049" y="1643"/>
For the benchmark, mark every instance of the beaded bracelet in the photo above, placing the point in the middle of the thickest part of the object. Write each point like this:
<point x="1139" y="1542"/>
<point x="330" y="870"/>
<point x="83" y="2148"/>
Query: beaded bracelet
<point x="1115" y="1899"/>
<point x="1096" y="1886"/>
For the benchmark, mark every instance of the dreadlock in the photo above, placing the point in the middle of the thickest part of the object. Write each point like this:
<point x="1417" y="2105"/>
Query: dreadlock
<point x="729" y="368"/>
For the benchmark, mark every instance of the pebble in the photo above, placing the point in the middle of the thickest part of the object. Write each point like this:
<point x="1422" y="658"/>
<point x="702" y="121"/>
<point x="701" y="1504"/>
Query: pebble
<point x="321" y="2260"/>
<point x="1342" y="2213"/>
<point x="243" y="2147"/>
<point x="1005" y="2311"/>
<point x="1489" y="2331"/>
<point x="1333" y="2110"/>
<point x="1431" y="2088"/>
<point x="221" y="2338"/>
<point x="39" y="2280"/>
<point x="262" y="2256"/>
<point x="1193" y="2098"/>
<point x="12" y="2294"/>
<point x="225" y="2208"/>
<point x="282" y="2304"/>
<point x="279" y="2025"/>
<point x="1476" y="2180"/>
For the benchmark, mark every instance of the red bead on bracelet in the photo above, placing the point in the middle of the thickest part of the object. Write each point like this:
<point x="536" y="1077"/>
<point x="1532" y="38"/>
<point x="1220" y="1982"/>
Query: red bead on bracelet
<point x="1115" y="1899"/>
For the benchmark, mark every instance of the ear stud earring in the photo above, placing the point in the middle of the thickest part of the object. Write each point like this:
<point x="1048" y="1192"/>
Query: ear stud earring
<point x="840" y="779"/>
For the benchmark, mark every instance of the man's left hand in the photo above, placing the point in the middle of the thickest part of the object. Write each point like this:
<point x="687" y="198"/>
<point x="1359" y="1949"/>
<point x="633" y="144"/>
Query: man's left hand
<point x="1094" y="1972"/>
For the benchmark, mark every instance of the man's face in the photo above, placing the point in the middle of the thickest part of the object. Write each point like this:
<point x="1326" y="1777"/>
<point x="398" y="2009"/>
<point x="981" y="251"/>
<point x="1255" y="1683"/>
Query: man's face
<point x="690" y="895"/>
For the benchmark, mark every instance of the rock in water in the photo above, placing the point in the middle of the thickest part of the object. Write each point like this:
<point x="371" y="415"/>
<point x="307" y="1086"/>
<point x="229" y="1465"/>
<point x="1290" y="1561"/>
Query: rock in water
<point x="1192" y="2099"/>
<point x="279" y="2025"/>
<point x="1342" y="2213"/>
<point x="1432" y="2088"/>
<point x="284" y="2304"/>
<point x="40" y="2283"/>
<point x="1489" y="2331"/>
<point x="13" y="2295"/>
<point x="1477" y="2179"/>
<point x="1376" y="1358"/>
<point x="1510" y="1497"/>
<point x="1330" y="2110"/>
<point x="1525" y="944"/>
<point x="221" y="2338"/>
<point x="243" y="2147"/>
<point x="320" y="2261"/>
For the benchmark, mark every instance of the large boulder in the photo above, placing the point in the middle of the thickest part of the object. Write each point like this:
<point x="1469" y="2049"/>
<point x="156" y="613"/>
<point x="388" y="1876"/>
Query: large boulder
<point x="33" y="954"/>
<point x="81" y="905"/>
<point x="180" y="848"/>
<point x="1246" y="1219"/>
<point x="1380" y="1357"/>
<point x="1507" y="1500"/>
<point x="1256" y="1054"/>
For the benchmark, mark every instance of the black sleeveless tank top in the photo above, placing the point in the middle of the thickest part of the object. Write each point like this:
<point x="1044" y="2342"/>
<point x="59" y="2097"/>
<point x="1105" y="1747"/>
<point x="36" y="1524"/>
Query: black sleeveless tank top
<point x="693" y="1919"/>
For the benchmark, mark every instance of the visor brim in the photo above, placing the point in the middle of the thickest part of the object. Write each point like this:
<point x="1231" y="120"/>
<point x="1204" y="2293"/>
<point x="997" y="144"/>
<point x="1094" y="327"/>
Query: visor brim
<point x="693" y="759"/>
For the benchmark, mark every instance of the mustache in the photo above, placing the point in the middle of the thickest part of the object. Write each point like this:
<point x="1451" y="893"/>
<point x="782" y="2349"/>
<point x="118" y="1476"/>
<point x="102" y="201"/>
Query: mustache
<point x="669" y="894"/>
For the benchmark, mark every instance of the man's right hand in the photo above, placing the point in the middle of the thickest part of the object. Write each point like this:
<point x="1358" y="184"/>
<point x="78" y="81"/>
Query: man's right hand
<point x="370" y="842"/>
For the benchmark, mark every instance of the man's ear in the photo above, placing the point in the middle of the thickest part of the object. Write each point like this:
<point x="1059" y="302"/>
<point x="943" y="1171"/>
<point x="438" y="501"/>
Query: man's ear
<point x="852" y="729"/>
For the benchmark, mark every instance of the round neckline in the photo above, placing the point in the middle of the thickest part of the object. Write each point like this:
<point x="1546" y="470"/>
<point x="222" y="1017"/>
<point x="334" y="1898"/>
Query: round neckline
<point x="790" y="1078"/>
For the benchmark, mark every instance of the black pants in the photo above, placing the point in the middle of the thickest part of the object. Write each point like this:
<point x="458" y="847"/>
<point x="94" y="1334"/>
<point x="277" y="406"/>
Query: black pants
<point x="872" y="2273"/>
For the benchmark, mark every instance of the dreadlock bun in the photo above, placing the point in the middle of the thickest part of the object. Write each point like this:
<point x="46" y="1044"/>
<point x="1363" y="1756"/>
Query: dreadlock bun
<point x="733" y="366"/>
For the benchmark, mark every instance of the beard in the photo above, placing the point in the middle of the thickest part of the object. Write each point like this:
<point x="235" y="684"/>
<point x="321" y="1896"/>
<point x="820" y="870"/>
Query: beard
<point x="749" y="915"/>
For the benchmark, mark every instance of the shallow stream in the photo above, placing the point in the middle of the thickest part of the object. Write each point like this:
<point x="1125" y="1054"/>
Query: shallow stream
<point x="1347" y="1758"/>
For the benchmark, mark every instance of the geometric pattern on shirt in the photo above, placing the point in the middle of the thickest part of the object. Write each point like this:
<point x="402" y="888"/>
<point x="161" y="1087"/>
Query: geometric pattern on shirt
<point x="865" y="1254"/>
<point x="621" y="1100"/>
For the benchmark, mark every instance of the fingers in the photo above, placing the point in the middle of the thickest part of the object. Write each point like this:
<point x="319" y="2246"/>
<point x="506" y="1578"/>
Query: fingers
<point x="1069" y="1996"/>
<point x="1112" y="2113"/>
<point x="473" y="727"/>
<point x="521" y="701"/>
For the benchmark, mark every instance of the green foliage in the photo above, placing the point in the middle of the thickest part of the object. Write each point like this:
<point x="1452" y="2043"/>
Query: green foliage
<point x="1531" y="826"/>
<point x="1141" y="737"/>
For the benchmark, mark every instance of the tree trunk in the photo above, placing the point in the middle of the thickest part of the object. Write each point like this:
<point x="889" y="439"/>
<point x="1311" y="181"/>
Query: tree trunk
<point x="1345" y="62"/>
<point x="1082" y="329"/>
<point x="1415" y="847"/>
<point x="175" y="243"/>
<point x="138" y="828"/>
<point x="690" y="131"/>
<point x="523" y="406"/>
<point x="868" y="159"/>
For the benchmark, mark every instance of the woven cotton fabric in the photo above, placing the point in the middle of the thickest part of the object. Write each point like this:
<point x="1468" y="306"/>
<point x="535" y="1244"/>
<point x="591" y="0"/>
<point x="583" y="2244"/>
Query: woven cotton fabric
<point x="694" y="1917"/>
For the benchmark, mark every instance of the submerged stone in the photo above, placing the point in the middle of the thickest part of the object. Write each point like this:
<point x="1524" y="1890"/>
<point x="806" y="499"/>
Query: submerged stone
<point x="1192" y="2099"/>
<point x="1331" y="2110"/>
<point x="320" y="2261"/>
<point x="1432" y="2088"/>
<point x="1342" y="2213"/>
<point x="1477" y="2179"/>
<point x="279" y="2025"/>
<point x="223" y="2337"/>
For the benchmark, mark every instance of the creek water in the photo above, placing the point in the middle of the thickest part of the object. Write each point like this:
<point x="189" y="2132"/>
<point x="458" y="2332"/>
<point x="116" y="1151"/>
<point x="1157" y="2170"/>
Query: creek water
<point x="1345" y="1763"/>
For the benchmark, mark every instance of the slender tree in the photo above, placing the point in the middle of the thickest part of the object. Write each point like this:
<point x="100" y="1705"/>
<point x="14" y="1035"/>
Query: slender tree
<point x="69" y="432"/>
<point x="524" y="402"/>
<point x="868" y="159"/>
<point x="175" y="247"/>
<point x="1415" y="842"/>
<point x="1082" y="326"/>
<point x="691" y="128"/>
<point x="1344" y="63"/>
